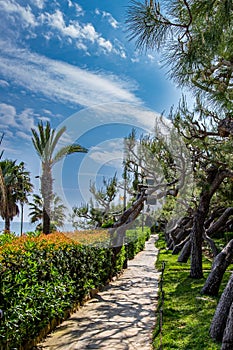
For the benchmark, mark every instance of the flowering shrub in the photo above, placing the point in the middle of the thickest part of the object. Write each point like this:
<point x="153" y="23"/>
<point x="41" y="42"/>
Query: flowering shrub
<point x="41" y="277"/>
<point x="91" y="237"/>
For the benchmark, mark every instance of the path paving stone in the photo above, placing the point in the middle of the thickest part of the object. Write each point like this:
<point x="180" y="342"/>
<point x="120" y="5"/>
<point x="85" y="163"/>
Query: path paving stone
<point x="121" y="317"/>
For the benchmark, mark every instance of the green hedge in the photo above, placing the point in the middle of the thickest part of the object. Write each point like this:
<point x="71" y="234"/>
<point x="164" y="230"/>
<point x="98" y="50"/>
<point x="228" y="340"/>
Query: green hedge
<point x="135" y="241"/>
<point x="42" y="277"/>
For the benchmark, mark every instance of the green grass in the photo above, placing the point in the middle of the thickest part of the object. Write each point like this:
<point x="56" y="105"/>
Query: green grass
<point x="187" y="314"/>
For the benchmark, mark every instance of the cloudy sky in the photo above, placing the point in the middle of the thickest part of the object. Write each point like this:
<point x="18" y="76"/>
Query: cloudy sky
<point x="69" y="62"/>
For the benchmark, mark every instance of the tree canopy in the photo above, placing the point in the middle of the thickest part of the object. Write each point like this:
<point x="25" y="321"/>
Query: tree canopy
<point x="195" y="40"/>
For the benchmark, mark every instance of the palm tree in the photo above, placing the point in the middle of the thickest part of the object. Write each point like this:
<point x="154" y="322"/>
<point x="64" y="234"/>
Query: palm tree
<point x="2" y="184"/>
<point x="36" y="209"/>
<point x="45" y="141"/>
<point x="57" y="213"/>
<point x="16" y="188"/>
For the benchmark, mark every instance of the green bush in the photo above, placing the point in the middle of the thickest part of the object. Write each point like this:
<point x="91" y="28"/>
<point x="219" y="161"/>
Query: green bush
<point x="135" y="240"/>
<point x="6" y="237"/>
<point x="42" y="277"/>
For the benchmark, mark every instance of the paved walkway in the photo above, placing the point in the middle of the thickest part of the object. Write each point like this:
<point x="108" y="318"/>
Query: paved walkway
<point x="122" y="317"/>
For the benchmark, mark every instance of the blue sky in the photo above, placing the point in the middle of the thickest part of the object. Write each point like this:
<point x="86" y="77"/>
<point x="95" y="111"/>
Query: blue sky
<point x="69" y="62"/>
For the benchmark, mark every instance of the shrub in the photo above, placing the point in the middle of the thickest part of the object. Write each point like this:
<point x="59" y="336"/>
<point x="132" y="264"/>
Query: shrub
<point x="43" y="276"/>
<point x="135" y="240"/>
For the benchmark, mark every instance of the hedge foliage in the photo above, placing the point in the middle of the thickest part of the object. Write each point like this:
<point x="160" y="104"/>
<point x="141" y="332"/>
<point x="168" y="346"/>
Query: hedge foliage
<point x="42" y="277"/>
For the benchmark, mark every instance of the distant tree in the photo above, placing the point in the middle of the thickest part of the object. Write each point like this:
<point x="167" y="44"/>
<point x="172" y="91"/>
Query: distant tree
<point x="17" y="187"/>
<point x="57" y="214"/>
<point x="2" y="184"/>
<point x="36" y="209"/>
<point x="100" y="211"/>
<point x="45" y="141"/>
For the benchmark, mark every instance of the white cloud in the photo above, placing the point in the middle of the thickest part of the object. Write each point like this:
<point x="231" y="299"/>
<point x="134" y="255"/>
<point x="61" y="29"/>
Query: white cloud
<point x="119" y="49"/>
<point x="123" y="54"/>
<point x="23" y="135"/>
<point x="26" y="119"/>
<point x="89" y="33"/>
<point x="135" y="60"/>
<point x="10" y="6"/>
<point x="82" y="33"/>
<point x="55" y="19"/>
<point x="105" y="44"/>
<point x="47" y="111"/>
<point x="4" y="83"/>
<point x="7" y="116"/>
<point x="81" y="46"/>
<point x="109" y="152"/>
<point x="22" y="123"/>
<point x="78" y="9"/>
<point x="44" y="119"/>
<point x="151" y="57"/>
<point x="10" y="151"/>
<point x="112" y="21"/>
<point x="61" y="81"/>
<point x="39" y="3"/>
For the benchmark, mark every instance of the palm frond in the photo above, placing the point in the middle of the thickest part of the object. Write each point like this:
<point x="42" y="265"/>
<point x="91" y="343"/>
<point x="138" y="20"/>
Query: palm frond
<point x="36" y="142"/>
<point x="57" y="137"/>
<point x="66" y="150"/>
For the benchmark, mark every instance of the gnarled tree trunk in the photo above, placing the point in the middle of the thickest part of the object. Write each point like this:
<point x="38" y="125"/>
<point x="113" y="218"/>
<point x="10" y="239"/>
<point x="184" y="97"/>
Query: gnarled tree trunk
<point x="219" y="321"/>
<point x="180" y="246"/>
<point x="185" y="252"/>
<point x="227" y="342"/>
<point x="214" y="180"/>
<point x="220" y="264"/>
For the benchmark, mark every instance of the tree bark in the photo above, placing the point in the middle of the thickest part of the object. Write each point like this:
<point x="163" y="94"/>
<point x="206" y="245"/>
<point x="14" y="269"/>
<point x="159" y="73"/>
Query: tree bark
<point x="180" y="246"/>
<point x="220" y="264"/>
<point x="7" y="223"/>
<point x="227" y="342"/>
<point x="196" y="239"/>
<point x="219" y="321"/>
<point x="185" y="252"/>
<point x="179" y="232"/>
<point x="46" y="192"/>
<point x="214" y="180"/>
<point x="221" y="221"/>
<point x="211" y="244"/>
<point x="46" y="222"/>
<point x="215" y="214"/>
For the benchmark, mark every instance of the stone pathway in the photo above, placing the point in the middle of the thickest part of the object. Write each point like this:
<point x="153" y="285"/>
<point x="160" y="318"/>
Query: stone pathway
<point x="121" y="317"/>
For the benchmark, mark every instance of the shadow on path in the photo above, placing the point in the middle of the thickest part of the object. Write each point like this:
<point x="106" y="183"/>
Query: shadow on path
<point x="120" y="317"/>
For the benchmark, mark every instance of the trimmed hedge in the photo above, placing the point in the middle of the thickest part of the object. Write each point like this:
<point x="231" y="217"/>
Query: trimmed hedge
<point x="43" y="277"/>
<point x="135" y="241"/>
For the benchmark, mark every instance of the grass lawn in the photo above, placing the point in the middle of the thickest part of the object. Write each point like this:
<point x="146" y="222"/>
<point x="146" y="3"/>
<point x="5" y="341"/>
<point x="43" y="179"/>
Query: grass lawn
<point x="187" y="314"/>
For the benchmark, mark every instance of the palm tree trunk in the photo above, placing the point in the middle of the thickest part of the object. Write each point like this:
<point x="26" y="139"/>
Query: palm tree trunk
<point x="46" y="191"/>
<point x="46" y="222"/>
<point x="7" y="223"/>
